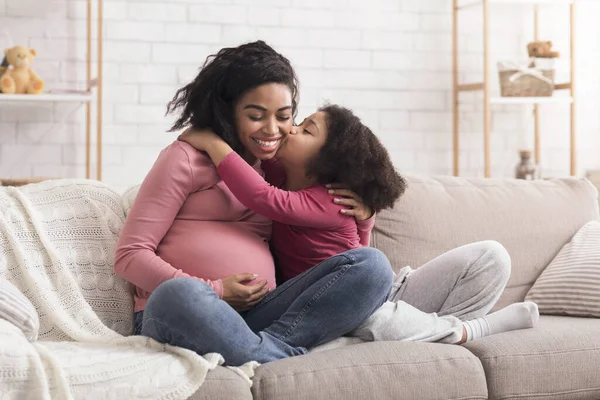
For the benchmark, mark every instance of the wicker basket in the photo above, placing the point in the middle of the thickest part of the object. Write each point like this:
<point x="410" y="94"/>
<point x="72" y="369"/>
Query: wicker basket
<point x="526" y="85"/>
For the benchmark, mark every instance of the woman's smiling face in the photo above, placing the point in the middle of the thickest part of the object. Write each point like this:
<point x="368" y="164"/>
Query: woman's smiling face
<point x="263" y="118"/>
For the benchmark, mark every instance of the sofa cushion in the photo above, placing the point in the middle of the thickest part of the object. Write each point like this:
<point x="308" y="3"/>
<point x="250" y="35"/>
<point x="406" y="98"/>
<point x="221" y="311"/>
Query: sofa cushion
<point x="223" y="383"/>
<point x="18" y="310"/>
<point x="570" y="285"/>
<point x="559" y="359"/>
<point x="532" y="219"/>
<point x="376" y="370"/>
<point x="128" y="197"/>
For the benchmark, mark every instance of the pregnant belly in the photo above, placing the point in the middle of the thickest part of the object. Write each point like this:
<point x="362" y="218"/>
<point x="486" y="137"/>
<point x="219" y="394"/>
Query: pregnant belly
<point x="213" y="250"/>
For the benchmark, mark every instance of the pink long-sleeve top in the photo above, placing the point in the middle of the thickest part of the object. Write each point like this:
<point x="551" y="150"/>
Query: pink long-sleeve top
<point x="308" y="227"/>
<point x="185" y="222"/>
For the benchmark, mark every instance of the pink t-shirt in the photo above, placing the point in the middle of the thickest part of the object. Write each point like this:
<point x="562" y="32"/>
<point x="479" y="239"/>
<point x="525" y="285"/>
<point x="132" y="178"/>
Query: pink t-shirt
<point x="308" y="227"/>
<point x="185" y="222"/>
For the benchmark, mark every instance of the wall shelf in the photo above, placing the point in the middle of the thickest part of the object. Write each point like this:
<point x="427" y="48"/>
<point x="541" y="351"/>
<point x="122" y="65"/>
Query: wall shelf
<point x="86" y="97"/>
<point x="475" y="3"/>
<point x="47" y="97"/>
<point x="489" y="99"/>
<point x="532" y="100"/>
<point x="566" y="2"/>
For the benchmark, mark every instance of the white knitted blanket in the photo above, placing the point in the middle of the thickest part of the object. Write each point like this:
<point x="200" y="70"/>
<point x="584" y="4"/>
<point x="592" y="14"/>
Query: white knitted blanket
<point x="57" y="243"/>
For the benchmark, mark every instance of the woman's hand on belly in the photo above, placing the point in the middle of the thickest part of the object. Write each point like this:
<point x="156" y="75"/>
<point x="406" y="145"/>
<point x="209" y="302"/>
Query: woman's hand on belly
<point x="243" y="297"/>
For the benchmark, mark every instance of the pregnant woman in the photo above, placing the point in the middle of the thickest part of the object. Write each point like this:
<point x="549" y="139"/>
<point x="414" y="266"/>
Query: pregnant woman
<point x="200" y="259"/>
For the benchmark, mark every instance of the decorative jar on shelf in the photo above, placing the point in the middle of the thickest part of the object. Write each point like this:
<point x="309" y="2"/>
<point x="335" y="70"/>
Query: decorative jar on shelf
<point x="527" y="169"/>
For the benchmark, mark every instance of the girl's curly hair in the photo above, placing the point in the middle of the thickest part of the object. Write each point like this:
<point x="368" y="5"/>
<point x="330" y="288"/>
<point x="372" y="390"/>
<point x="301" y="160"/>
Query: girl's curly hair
<point x="208" y="101"/>
<point x="354" y="156"/>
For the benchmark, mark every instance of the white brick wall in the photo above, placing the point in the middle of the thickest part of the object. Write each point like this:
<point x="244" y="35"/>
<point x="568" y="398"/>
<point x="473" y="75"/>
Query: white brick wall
<point x="388" y="59"/>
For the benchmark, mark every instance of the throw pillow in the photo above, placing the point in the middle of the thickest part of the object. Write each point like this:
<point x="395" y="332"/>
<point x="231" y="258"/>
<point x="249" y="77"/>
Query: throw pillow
<point x="129" y="196"/>
<point x="18" y="310"/>
<point x="570" y="285"/>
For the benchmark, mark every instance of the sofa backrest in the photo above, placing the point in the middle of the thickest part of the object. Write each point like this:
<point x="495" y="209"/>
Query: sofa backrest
<point x="532" y="219"/>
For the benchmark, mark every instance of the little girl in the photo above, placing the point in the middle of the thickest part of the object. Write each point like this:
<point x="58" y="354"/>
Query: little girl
<point x="333" y="145"/>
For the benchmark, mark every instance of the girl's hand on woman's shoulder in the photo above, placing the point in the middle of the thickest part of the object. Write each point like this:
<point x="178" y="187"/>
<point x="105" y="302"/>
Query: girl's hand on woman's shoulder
<point x="346" y="197"/>
<point x="200" y="139"/>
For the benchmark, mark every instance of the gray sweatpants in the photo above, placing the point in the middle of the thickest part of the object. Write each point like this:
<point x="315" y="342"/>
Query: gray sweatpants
<point x="428" y="304"/>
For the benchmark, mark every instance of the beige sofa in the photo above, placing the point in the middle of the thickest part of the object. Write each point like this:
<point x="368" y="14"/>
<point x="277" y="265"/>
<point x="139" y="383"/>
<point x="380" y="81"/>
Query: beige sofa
<point x="560" y="359"/>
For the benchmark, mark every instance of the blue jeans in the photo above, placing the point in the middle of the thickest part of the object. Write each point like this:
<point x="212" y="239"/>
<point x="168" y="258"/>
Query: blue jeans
<point x="319" y="305"/>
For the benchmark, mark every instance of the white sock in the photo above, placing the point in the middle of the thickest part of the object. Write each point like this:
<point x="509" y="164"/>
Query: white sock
<point x="516" y="316"/>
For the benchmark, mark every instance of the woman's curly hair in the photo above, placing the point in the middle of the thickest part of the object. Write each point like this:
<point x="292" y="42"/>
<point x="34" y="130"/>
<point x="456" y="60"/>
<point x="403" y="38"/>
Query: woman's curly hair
<point x="354" y="156"/>
<point x="208" y="101"/>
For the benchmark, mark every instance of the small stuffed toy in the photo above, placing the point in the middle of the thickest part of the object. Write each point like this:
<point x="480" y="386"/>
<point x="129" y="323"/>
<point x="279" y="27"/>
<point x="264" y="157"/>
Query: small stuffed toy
<point x="542" y="50"/>
<point x="3" y="66"/>
<point x="19" y="78"/>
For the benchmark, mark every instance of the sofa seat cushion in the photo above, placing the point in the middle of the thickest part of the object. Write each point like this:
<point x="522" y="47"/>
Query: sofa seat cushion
<point x="223" y="383"/>
<point x="559" y="359"/>
<point x="376" y="370"/>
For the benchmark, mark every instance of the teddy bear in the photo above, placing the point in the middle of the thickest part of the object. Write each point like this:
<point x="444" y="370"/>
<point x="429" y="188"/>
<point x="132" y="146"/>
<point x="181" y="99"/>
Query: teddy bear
<point x="3" y="66"/>
<point x="542" y="49"/>
<point x="18" y="78"/>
